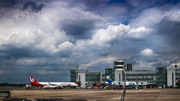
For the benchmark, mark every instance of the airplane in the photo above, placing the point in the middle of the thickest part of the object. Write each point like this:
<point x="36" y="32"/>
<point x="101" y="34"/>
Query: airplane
<point x="110" y="82"/>
<point x="54" y="85"/>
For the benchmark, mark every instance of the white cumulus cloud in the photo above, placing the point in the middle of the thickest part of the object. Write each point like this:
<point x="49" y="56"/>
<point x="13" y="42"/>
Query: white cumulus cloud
<point x="148" y="18"/>
<point x="139" y="33"/>
<point x="63" y="47"/>
<point x="147" y="52"/>
<point x="109" y="34"/>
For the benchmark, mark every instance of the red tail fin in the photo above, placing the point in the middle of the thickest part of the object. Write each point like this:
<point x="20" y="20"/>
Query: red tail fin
<point x="34" y="82"/>
<point x="32" y="79"/>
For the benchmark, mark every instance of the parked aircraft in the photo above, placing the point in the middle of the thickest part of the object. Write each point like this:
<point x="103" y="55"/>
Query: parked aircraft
<point x="118" y="83"/>
<point x="52" y="84"/>
<point x="111" y="82"/>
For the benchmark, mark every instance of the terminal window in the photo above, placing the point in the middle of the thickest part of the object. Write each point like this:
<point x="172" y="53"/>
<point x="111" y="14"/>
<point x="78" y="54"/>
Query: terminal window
<point x="119" y="63"/>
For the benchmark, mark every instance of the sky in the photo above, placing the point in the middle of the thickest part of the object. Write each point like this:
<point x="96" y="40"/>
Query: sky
<point x="47" y="38"/>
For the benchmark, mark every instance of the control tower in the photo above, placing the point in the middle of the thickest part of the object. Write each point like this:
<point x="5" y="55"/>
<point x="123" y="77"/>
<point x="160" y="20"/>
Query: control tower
<point x="119" y="67"/>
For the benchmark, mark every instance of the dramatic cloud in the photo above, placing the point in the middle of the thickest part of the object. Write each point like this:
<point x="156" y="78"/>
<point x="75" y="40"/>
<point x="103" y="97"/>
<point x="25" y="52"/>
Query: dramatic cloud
<point x="47" y="38"/>
<point x="110" y="33"/>
<point x="147" y="19"/>
<point x="32" y="7"/>
<point x="139" y="33"/>
<point x="7" y="3"/>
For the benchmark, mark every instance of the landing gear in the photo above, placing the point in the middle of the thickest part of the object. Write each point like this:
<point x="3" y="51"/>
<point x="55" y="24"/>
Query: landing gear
<point x="144" y="87"/>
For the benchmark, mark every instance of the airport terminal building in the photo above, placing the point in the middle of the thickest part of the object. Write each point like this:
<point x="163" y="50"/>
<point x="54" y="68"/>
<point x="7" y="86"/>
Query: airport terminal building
<point x="162" y="77"/>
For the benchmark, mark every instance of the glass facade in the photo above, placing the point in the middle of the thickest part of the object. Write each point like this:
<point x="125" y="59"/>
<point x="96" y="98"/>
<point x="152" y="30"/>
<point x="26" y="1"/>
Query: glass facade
<point x="110" y="71"/>
<point x="139" y="79"/>
<point x="177" y="74"/>
<point x="72" y="75"/>
<point x="92" y="77"/>
<point x="161" y="76"/>
<point x="178" y="77"/>
<point x="140" y="76"/>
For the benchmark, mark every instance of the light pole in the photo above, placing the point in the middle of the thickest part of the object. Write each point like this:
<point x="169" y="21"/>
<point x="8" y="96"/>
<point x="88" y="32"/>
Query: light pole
<point x="176" y="69"/>
<point x="77" y="72"/>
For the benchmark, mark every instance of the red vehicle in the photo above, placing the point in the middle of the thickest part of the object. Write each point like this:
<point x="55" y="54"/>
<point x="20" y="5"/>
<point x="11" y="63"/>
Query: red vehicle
<point x="96" y="85"/>
<point x="118" y="87"/>
<point x="124" y="87"/>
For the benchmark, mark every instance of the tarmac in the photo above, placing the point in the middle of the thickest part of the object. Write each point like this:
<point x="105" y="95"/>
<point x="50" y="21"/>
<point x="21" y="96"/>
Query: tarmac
<point x="164" y="94"/>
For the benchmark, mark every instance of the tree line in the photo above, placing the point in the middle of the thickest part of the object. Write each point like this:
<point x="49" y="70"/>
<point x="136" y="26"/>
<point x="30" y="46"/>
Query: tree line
<point x="9" y="84"/>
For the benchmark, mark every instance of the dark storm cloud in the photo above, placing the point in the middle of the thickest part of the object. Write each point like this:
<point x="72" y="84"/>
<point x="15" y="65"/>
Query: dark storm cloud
<point x="100" y="66"/>
<point x="79" y="29"/>
<point x="33" y="7"/>
<point x="54" y="68"/>
<point x="149" y="3"/>
<point x="104" y="53"/>
<point x="10" y="51"/>
<point x="167" y="63"/>
<point x="60" y="66"/>
<point x="159" y="63"/>
<point x="149" y="58"/>
<point x="173" y="61"/>
<point x="92" y="3"/>
<point x="7" y="63"/>
<point x="134" y="59"/>
<point x="127" y="47"/>
<point x="22" y="76"/>
<point x="65" y="54"/>
<point x="169" y="30"/>
<point x="15" y="72"/>
<point x="46" y="62"/>
<point x="7" y="3"/>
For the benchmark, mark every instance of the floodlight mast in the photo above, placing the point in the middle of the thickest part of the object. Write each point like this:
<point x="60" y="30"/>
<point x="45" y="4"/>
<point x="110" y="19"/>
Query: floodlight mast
<point x="176" y="68"/>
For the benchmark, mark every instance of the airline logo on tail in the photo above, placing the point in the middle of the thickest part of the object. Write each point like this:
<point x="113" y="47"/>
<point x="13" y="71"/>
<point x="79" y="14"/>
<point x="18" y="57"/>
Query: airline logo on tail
<point x="34" y="82"/>
<point x="32" y="79"/>
<point x="108" y="79"/>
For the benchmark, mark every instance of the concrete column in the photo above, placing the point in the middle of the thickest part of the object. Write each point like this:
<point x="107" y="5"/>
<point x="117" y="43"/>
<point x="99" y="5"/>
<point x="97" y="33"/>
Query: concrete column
<point x="82" y="78"/>
<point x="118" y="75"/>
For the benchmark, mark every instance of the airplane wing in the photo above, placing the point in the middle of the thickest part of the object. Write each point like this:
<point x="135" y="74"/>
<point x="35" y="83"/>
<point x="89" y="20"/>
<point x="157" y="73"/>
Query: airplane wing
<point x="52" y="84"/>
<point x="59" y="86"/>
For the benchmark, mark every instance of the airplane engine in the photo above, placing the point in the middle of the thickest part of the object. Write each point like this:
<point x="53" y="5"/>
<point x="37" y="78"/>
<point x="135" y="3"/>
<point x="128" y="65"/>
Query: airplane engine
<point x="113" y="83"/>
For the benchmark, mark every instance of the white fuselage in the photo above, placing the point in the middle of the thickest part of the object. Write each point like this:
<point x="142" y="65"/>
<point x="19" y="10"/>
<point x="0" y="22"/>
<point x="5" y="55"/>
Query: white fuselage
<point x="122" y="83"/>
<point x="58" y="84"/>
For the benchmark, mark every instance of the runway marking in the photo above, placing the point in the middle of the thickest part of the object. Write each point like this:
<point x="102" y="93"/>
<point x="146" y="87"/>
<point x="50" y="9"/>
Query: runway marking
<point x="41" y="91"/>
